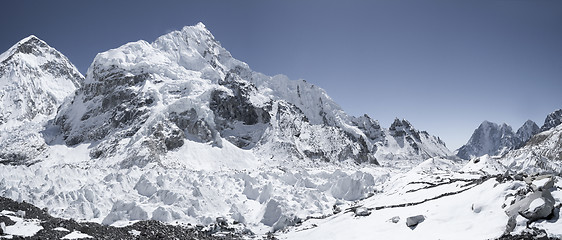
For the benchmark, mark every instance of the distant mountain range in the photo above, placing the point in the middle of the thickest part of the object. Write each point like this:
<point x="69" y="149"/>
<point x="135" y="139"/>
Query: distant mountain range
<point x="494" y="139"/>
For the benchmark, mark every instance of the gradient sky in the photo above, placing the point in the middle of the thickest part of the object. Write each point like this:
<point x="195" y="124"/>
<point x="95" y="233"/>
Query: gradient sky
<point x="443" y="65"/>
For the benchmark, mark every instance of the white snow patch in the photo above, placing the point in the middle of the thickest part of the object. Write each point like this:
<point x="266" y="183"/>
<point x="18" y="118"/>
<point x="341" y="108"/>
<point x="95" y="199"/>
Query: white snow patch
<point x="76" y="235"/>
<point x="536" y="203"/>
<point x="23" y="227"/>
<point x="61" y="229"/>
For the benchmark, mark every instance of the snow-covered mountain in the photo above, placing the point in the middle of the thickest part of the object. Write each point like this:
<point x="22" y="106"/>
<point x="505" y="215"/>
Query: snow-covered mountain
<point x="143" y="101"/>
<point x="403" y="141"/>
<point x="34" y="80"/>
<point x="494" y="139"/>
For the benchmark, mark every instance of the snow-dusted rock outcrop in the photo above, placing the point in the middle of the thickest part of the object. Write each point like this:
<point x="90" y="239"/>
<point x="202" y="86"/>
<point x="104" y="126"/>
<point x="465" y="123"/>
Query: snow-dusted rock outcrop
<point x="552" y="120"/>
<point x="401" y="141"/>
<point x="34" y="80"/>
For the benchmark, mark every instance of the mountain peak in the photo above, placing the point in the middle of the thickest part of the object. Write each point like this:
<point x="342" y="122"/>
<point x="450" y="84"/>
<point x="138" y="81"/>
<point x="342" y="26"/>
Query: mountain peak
<point x="28" y="38"/>
<point x="493" y="139"/>
<point x="527" y="131"/>
<point x="30" y="45"/>
<point x="489" y="138"/>
<point x="37" y="76"/>
<point x="201" y="25"/>
<point x="529" y="122"/>
<point x="34" y="81"/>
<point x="488" y="124"/>
<point x="552" y="120"/>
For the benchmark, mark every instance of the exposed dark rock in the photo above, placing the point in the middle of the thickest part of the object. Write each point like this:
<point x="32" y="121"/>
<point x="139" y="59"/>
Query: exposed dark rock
<point x="413" y="221"/>
<point x="237" y="107"/>
<point x="525" y="132"/>
<point x="370" y="127"/>
<point x="489" y="138"/>
<point x="189" y="122"/>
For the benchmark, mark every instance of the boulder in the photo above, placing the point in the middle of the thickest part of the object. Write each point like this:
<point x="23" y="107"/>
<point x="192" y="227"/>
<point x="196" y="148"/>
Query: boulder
<point x="539" y="208"/>
<point x="362" y="212"/>
<point x="542" y="183"/>
<point x="414" y="220"/>
<point x="537" y="205"/>
<point x="394" y="219"/>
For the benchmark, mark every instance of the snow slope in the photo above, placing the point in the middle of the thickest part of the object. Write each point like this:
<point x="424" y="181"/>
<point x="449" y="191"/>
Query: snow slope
<point x="514" y="196"/>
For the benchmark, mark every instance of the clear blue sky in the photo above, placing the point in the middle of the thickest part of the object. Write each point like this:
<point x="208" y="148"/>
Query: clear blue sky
<point x="444" y="65"/>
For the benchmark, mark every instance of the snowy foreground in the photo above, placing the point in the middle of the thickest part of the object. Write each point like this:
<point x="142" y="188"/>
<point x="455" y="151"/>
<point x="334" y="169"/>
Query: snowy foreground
<point x="454" y="205"/>
<point x="467" y="200"/>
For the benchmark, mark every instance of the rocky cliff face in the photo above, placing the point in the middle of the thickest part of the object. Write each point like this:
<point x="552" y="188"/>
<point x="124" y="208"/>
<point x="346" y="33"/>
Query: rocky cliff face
<point x="34" y="80"/>
<point x="489" y="138"/>
<point x="403" y="142"/>
<point x="494" y="139"/>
